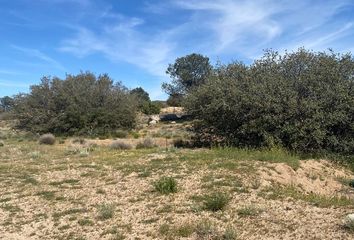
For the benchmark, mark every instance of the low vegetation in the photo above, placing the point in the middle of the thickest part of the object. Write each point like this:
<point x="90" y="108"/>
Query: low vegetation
<point x="166" y="185"/>
<point x="120" y="145"/>
<point x="105" y="211"/>
<point x="249" y="165"/>
<point x="216" y="201"/>
<point x="86" y="104"/>
<point x="48" y="139"/>
<point x="146" y="143"/>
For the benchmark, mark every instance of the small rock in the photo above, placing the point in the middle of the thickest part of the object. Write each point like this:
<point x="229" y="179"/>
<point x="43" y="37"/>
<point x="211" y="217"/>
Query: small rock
<point x="349" y="219"/>
<point x="173" y="122"/>
<point x="153" y="122"/>
<point x="154" y="118"/>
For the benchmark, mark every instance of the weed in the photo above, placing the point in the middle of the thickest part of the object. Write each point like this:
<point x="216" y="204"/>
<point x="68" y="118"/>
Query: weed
<point x="229" y="234"/>
<point x="105" y="211"/>
<point x="206" y="229"/>
<point x="248" y="211"/>
<point x="85" y="222"/>
<point x="185" y="230"/>
<point x="216" y="201"/>
<point x="166" y="185"/>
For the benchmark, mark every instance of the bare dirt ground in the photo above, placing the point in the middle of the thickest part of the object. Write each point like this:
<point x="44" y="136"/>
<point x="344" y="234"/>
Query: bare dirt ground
<point x="52" y="192"/>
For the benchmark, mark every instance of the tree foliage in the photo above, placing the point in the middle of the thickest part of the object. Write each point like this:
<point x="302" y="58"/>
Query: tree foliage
<point x="145" y="105"/>
<point x="303" y="101"/>
<point x="187" y="73"/>
<point x="6" y="104"/>
<point x="78" y="104"/>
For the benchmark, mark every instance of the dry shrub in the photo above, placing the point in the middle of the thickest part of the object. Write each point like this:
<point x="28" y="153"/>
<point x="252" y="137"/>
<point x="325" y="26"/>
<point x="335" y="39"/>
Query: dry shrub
<point x="48" y="139"/>
<point x="120" y="145"/>
<point x="146" y="143"/>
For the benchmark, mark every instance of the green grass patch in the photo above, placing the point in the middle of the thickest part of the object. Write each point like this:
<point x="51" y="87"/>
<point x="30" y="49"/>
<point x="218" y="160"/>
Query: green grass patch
<point x="281" y="192"/>
<point x="216" y="201"/>
<point x="85" y="222"/>
<point x="166" y="185"/>
<point x="105" y="211"/>
<point x="248" y="211"/>
<point x="47" y="195"/>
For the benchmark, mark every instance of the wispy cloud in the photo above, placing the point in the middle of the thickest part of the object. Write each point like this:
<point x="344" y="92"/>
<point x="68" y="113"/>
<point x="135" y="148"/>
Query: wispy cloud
<point x="35" y="53"/>
<point x="237" y="28"/>
<point x="232" y="22"/>
<point x="247" y="27"/>
<point x="122" y="41"/>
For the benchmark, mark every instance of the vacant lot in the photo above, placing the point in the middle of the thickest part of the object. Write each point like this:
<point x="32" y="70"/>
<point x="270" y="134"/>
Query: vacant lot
<point x="90" y="191"/>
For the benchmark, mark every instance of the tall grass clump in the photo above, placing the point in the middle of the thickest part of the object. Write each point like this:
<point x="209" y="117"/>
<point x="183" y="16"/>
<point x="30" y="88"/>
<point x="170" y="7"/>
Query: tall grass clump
<point x="48" y="139"/>
<point x="216" y="201"/>
<point x="166" y="185"/>
<point x="105" y="211"/>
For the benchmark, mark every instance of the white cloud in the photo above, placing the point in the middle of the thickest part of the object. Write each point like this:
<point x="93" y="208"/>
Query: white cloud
<point x="234" y="21"/>
<point x="123" y="42"/>
<point x="241" y="28"/>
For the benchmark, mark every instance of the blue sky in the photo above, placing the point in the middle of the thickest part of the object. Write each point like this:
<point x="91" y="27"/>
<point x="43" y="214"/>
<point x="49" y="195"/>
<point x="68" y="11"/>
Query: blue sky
<point x="133" y="41"/>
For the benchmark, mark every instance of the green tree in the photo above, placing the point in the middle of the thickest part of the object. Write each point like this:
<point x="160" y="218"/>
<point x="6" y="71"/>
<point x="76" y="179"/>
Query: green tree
<point x="145" y="105"/>
<point x="141" y="94"/>
<point x="6" y="103"/>
<point x="303" y="101"/>
<point x="187" y="73"/>
<point x="79" y="104"/>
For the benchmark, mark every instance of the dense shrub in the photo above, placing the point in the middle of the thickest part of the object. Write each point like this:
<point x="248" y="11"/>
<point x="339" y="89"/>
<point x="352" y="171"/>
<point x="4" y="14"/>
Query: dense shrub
<point x="120" y="145"/>
<point x="303" y="101"/>
<point x="182" y="143"/>
<point x="120" y="134"/>
<point x="48" y="139"/>
<point x="83" y="104"/>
